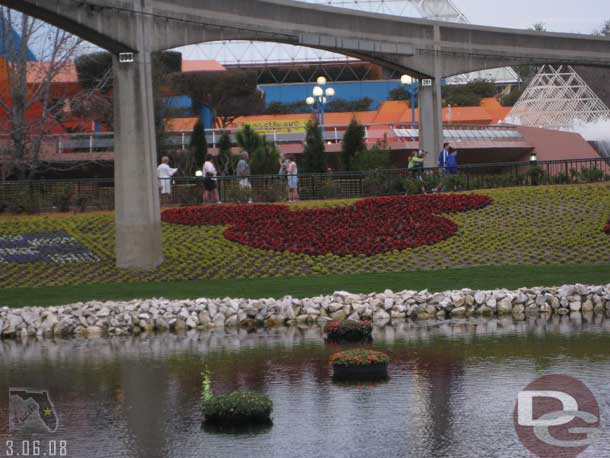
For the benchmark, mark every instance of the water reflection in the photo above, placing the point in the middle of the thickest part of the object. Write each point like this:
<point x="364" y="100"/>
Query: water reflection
<point x="449" y="383"/>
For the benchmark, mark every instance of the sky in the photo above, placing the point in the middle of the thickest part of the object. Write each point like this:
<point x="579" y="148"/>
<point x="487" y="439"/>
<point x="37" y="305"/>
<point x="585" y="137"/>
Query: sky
<point x="581" y="16"/>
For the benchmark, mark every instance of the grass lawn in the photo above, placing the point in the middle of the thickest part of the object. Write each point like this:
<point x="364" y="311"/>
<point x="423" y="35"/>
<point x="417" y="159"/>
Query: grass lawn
<point x="511" y="277"/>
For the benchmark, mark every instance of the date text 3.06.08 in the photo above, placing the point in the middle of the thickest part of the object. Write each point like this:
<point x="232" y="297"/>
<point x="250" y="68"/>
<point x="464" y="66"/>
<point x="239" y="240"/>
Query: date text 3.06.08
<point x="34" y="448"/>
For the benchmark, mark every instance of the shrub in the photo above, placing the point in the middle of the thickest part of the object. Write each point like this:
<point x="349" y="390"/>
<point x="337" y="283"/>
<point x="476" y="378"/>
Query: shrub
<point x="412" y="185"/>
<point x="377" y="183"/>
<point x="359" y="357"/>
<point x="353" y="142"/>
<point x="348" y="330"/>
<point x="591" y="175"/>
<point x="314" y="157"/>
<point x="237" y="408"/>
<point x="63" y="199"/>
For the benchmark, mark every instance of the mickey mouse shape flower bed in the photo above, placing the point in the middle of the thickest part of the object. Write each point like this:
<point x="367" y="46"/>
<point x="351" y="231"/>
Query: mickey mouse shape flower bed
<point x="348" y="331"/>
<point x="360" y="364"/>
<point x="369" y="227"/>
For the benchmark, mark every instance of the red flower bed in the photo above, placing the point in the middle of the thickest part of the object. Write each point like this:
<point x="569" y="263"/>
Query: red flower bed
<point x="369" y="227"/>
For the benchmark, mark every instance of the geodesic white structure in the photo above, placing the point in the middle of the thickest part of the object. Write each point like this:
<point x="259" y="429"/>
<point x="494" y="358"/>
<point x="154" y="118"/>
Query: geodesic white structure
<point x="257" y="53"/>
<point x="558" y="98"/>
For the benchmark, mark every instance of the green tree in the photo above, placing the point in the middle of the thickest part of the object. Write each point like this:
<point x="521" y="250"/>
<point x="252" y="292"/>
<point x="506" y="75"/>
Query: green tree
<point x="287" y="108"/>
<point x="470" y="94"/>
<point x="605" y="30"/>
<point x="399" y="93"/>
<point x="512" y="97"/>
<point x="225" y="156"/>
<point x="228" y="94"/>
<point x="378" y="157"/>
<point x="314" y="156"/>
<point x="265" y="159"/>
<point x="199" y="145"/>
<point x="343" y="105"/>
<point x="353" y="142"/>
<point x="247" y="139"/>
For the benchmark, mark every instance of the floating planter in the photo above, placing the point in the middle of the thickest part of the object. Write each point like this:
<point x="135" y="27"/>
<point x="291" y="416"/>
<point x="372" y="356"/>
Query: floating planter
<point x="359" y="364"/>
<point x="348" y="331"/>
<point x="234" y="410"/>
<point x="237" y="409"/>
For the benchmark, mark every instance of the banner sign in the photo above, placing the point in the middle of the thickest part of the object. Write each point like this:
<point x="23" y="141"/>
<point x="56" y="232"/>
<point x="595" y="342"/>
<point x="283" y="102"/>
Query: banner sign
<point x="293" y="126"/>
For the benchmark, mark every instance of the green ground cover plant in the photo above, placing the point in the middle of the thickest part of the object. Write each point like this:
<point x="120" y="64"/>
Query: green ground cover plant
<point x="533" y="226"/>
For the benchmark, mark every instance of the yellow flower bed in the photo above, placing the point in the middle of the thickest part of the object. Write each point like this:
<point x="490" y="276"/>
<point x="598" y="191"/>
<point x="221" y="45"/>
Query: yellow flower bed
<point x="535" y="225"/>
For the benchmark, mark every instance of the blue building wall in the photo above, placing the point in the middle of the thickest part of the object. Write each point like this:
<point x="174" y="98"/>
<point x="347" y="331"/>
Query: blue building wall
<point x="5" y="43"/>
<point x="349" y="90"/>
<point x="183" y="103"/>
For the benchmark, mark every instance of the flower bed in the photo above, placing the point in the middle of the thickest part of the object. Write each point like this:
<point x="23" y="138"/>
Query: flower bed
<point x="368" y="227"/>
<point x="348" y="331"/>
<point x="359" y="364"/>
<point x="545" y="225"/>
<point x="237" y="408"/>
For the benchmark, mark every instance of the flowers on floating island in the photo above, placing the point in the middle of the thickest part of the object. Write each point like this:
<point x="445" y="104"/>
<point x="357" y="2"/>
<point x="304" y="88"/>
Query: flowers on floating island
<point x="234" y="409"/>
<point x="370" y="226"/>
<point x="348" y="331"/>
<point x="237" y="408"/>
<point x="360" y="364"/>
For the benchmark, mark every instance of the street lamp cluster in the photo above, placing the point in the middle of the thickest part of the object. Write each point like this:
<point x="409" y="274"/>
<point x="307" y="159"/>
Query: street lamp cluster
<point x="412" y="87"/>
<point x="319" y="98"/>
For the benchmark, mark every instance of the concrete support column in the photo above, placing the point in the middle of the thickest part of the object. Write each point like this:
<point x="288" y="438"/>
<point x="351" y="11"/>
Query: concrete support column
<point x="431" y="107"/>
<point x="138" y="218"/>
<point x="431" y="121"/>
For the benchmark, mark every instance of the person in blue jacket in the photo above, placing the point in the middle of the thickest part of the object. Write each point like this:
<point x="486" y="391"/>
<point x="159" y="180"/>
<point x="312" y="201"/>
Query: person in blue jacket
<point x="452" y="163"/>
<point x="443" y="158"/>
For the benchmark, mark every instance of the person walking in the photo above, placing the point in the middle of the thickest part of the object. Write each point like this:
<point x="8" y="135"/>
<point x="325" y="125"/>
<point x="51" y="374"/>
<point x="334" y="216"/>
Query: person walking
<point x="416" y="167"/>
<point x="165" y="174"/>
<point x="210" y="185"/>
<point x="452" y="161"/>
<point x="293" y="181"/>
<point x="443" y="159"/>
<point x="243" y="173"/>
<point x="416" y="162"/>
<point x="284" y="163"/>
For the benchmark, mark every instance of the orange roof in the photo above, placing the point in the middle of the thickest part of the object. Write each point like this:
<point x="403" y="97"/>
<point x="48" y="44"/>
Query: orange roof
<point x="202" y="66"/>
<point x="393" y="111"/>
<point x="389" y="112"/>
<point x="493" y="107"/>
<point x="38" y="72"/>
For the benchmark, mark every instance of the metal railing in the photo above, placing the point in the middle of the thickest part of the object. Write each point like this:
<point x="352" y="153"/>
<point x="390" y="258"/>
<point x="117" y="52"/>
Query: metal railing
<point x="94" y="194"/>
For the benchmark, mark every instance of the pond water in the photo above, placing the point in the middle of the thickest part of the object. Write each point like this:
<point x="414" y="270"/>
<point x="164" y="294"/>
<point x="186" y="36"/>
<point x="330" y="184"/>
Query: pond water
<point x="451" y="391"/>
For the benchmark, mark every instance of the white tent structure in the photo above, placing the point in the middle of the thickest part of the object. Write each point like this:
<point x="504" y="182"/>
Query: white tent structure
<point x="252" y="52"/>
<point x="558" y="98"/>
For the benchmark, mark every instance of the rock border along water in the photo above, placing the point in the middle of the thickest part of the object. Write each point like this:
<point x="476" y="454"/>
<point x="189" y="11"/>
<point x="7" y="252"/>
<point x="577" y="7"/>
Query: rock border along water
<point x="122" y="318"/>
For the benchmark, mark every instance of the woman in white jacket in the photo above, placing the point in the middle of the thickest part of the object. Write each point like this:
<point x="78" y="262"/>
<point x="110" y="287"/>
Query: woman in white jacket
<point x="165" y="173"/>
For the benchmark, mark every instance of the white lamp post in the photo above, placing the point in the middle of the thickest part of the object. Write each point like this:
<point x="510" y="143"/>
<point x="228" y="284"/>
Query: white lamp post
<point x="318" y="100"/>
<point x="412" y="87"/>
